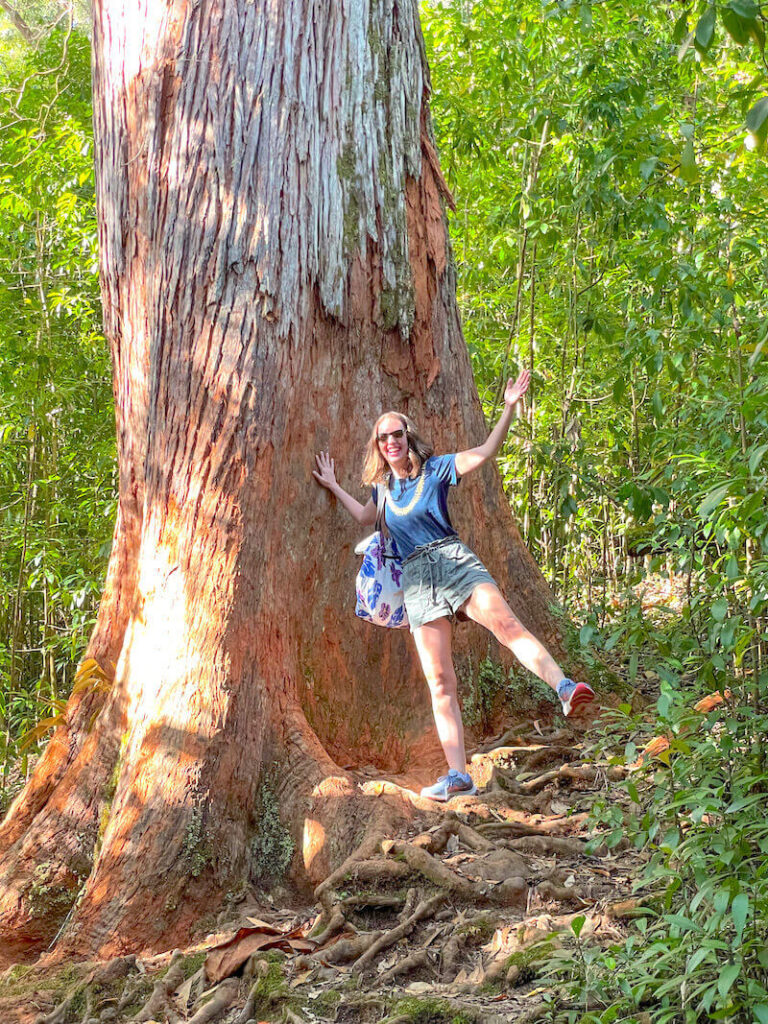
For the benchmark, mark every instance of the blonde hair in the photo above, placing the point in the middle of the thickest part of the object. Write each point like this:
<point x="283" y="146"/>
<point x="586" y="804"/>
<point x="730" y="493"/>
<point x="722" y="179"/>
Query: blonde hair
<point x="375" y="466"/>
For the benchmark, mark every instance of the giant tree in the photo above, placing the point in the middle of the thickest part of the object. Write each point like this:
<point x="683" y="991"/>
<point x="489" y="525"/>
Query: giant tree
<point x="275" y="270"/>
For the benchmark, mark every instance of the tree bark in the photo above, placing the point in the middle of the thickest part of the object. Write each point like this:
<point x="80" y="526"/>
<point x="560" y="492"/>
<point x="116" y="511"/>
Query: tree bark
<point x="275" y="271"/>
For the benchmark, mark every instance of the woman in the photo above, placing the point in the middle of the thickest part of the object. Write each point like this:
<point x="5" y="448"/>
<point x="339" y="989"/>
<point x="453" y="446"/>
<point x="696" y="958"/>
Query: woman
<point x="442" y="578"/>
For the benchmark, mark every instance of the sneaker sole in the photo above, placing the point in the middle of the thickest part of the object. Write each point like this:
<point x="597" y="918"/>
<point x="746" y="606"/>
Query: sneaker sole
<point x="450" y="796"/>
<point x="577" y="701"/>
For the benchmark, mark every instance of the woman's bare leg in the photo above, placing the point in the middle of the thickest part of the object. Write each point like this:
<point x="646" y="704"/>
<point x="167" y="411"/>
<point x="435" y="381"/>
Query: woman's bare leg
<point x="488" y="607"/>
<point x="433" y="642"/>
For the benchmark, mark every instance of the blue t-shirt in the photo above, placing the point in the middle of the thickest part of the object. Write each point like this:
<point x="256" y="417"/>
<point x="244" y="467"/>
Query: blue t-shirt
<point x="416" y="511"/>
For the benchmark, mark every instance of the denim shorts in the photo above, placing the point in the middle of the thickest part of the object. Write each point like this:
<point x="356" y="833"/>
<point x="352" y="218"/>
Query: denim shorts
<point x="438" y="578"/>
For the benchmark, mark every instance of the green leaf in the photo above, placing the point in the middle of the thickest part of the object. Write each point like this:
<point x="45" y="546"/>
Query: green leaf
<point x="577" y="924"/>
<point x="683" y="923"/>
<point x="756" y="457"/>
<point x="680" y="31"/>
<point x="739" y="911"/>
<point x="735" y="27"/>
<point x="700" y="954"/>
<point x="688" y="170"/>
<point x="756" y="115"/>
<point x="647" y="167"/>
<point x="712" y="500"/>
<point x="720" y="609"/>
<point x="761" y="1012"/>
<point x="744" y="8"/>
<point x="658" y="406"/>
<point x="728" y="975"/>
<point x="705" y="28"/>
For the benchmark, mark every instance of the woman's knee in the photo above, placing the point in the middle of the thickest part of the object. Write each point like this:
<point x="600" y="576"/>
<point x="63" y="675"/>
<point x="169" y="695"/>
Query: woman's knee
<point x="508" y="629"/>
<point x="442" y="682"/>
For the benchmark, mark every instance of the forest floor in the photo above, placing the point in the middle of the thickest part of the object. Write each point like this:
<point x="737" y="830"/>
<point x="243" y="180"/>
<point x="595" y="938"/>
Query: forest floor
<point x="456" y="918"/>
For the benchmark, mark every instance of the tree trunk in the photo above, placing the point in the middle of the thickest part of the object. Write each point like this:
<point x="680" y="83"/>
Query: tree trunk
<point x="276" y="271"/>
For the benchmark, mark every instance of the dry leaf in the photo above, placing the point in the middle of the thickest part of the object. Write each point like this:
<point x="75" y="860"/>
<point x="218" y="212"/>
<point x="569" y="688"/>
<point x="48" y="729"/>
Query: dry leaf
<point x="712" y="700"/>
<point x="226" y="957"/>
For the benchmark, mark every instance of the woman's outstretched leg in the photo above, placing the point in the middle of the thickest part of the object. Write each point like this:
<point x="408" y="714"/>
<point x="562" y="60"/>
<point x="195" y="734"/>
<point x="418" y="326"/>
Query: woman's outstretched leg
<point x="488" y="607"/>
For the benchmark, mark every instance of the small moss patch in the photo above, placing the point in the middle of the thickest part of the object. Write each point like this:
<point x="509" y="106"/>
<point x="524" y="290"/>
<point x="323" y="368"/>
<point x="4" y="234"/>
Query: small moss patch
<point x="270" y="990"/>
<point x="428" y="1011"/>
<point x="272" y="847"/>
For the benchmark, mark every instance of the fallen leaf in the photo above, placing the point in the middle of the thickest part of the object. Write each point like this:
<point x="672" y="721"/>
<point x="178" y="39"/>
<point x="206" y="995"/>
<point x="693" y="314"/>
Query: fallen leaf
<point x="712" y="700"/>
<point x="226" y="957"/>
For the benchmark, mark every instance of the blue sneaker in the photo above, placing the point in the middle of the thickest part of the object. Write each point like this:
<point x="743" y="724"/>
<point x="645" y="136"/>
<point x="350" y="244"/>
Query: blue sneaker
<point x="455" y="783"/>
<point x="574" y="695"/>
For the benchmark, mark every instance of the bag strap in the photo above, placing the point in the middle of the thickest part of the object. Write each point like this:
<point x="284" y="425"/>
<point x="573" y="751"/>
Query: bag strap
<point x="381" y="495"/>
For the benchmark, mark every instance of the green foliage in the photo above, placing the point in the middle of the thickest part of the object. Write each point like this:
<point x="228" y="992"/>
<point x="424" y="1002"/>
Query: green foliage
<point x="485" y="688"/>
<point x="57" y="471"/>
<point x="272" y="847"/>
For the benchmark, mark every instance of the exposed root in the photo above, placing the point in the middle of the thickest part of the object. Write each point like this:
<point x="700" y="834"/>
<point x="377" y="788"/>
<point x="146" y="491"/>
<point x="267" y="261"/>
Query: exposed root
<point x="574" y="773"/>
<point x="371" y="900"/>
<point x="336" y="924"/>
<point x="366" y="849"/>
<point x="377" y="870"/>
<point x="411" y="963"/>
<point x="223" y="997"/>
<point x="544" y="846"/>
<point x="561" y="893"/>
<point x="346" y="950"/>
<point x="425" y="909"/>
<point x="157" y="1003"/>
<point x="410" y="902"/>
<point x="463" y="888"/>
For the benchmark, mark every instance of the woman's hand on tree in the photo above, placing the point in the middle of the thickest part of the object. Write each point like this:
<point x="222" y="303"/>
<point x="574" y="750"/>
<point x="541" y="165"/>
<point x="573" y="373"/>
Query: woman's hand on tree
<point x="327" y="467"/>
<point x="515" y="391"/>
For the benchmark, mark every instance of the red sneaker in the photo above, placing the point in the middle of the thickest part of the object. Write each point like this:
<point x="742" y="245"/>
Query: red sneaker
<point x="574" y="695"/>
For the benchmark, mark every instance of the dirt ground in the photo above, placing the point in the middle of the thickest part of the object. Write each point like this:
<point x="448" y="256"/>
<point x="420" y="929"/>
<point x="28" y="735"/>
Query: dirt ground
<point x="454" y="919"/>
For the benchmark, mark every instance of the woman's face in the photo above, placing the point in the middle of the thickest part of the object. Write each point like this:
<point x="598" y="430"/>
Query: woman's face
<point x="394" y="448"/>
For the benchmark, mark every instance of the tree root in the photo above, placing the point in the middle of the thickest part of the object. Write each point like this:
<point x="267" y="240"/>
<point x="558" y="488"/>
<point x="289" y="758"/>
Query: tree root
<point x="157" y="1003"/>
<point x="411" y="963"/>
<point x="510" y="828"/>
<point x="371" y="900"/>
<point x="457" y="885"/>
<point x="223" y="997"/>
<point x="336" y="924"/>
<point x="561" y="893"/>
<point x="104" y="974"/>
<point x="345" y="950"/>
<point x="425" y="909"/>
<point x="543" y="846"/>
<point x="366" y="849"/>
<point x="574" y="773"/>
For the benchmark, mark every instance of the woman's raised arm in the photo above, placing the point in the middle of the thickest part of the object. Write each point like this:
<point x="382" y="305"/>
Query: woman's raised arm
<point x="472" y="458"/>
<point x="364" y="514"/>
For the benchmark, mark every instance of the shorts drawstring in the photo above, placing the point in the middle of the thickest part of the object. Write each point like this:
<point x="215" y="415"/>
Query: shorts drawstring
<point x="432" y="558"/>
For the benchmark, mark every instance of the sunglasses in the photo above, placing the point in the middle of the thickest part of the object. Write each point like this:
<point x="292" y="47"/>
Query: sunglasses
<point x="396" y="434"/>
